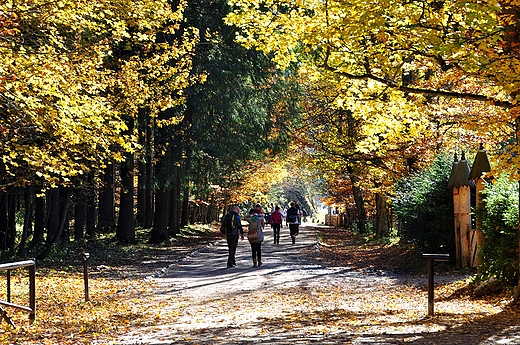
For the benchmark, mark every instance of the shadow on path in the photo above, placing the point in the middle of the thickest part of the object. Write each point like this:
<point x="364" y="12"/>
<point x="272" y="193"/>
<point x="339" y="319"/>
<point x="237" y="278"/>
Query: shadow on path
<point x="289" y="300"/>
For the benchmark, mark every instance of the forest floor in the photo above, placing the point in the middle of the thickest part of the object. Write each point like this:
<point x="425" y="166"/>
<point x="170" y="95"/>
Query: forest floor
<point x="331" y="287"/>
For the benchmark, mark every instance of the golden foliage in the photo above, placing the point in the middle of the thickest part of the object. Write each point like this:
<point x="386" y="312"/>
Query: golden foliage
<point x="416" y="78"/>
<point x="71" y="71"/>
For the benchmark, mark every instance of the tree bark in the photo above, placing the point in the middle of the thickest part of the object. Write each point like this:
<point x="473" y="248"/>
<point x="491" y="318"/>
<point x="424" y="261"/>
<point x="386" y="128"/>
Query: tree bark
<point x="184" y="208"/>
<point x="142" y="167"/>
<point x="381" y="226"/>
<point x="4" y="220"/>
<point x="162" y="217"/>
<point x="361" y="215"/>
<point x="62" y="218"/>
<point x="40" y="220"/>
<point x="175" y="206"/>
<point x="28" y="216"/>
<point x="517" y="290"/>
<point x="107" y="201"/>
<point x="516" y="294"/>
<point x="91" y="211"/>
<point x="53" y="220"/>
<point x="126" y="221"/>
<point x="80" y="210"/>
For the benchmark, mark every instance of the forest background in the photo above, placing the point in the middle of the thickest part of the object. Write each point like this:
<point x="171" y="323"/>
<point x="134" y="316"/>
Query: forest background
<point x="125" y="115"/>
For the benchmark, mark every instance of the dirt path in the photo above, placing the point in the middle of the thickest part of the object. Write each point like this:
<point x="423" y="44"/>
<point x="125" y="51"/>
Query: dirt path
<point x="290" y="300"/>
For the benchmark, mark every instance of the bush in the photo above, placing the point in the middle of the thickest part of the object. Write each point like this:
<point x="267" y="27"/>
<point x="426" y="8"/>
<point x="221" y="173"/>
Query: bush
<point x="424" y="206"/>
<point x="500" y="229"/>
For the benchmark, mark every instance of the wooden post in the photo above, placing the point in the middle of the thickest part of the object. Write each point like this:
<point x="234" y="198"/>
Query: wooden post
<point x="465" y="225"/>
<point x="85" y="275"/>
<point x="461" y="184"/>
<point x="430" y="258"/>
<point x="456" y="207"/>
<point x="477" y="238"/>
<point x="480" y="167"/>
<point x="456" y="220"/>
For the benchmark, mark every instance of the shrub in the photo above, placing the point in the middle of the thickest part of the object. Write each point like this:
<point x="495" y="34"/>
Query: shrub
<point x="424" y="206"/>
<point x="500" y="230"/>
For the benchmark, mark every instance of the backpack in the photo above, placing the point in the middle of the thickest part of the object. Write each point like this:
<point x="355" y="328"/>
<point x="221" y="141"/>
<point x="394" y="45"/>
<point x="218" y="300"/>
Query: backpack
<point x="255" y="233"/>
<point x="276" y="218"/>
<point x="227" y="223"/>
<point x="292" y="217"/>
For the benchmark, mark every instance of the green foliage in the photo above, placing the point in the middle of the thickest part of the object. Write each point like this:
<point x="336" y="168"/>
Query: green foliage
<point x="499" y="227"/>
<point x="424" y="206"/>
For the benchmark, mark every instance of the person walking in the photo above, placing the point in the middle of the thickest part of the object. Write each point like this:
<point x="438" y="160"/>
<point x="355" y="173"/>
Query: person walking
<point x="255" y="235"/>
<point x="276" y="223"/>
<point x="232" y="228"/>
<point x="293" y="220"/>
<point x="258" y="209"/>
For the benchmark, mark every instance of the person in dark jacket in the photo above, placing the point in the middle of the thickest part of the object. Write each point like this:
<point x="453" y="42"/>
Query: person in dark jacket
<point x="293" y="220"/>
<point x="233" y="234"/>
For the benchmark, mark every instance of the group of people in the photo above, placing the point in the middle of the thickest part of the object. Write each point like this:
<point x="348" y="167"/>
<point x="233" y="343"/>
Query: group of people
<point x="255" y="233"/>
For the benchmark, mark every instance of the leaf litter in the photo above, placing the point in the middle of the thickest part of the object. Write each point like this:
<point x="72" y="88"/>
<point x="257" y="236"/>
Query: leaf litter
<point x="370" y="293"/>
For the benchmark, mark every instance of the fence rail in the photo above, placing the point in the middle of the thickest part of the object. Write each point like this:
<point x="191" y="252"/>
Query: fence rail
<point x="31" y="265"/>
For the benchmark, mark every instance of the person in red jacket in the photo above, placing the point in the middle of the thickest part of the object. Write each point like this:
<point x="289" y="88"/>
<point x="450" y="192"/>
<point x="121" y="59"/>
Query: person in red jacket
<point x="276" y="223"/>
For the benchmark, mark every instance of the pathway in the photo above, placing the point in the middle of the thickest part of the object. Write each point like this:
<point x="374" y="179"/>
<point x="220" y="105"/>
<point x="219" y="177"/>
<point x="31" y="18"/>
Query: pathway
<point x="289" y="300"/>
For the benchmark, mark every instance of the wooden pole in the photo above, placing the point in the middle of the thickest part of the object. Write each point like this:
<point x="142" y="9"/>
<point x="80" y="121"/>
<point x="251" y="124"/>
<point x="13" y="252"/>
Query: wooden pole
<point x="478" y="237"/>
<point x="430" y="258"/>
<point x="465" y="225"/>
<point x="456" y="219"/>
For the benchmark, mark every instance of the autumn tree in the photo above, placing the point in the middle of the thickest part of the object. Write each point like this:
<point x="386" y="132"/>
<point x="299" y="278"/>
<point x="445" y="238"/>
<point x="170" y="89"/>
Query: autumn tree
<point x="423" y="58"/>
<point x="230" y="122"/>
<point x="72" y="74"/>
<point x="447" y="60"/>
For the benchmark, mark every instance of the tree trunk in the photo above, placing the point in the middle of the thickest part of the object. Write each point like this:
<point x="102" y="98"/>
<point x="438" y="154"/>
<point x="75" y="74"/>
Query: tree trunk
<point x="361" y="215"/>
<point x="175" y="206"/>
<point x="162" y="216"/>
<point x="80" y="212"/>
<point x="149" y="195"/>
<point x="517" y="290"/>
<point x="63" y="211"/>
<point x="13" y="207"/>
<point x="65" y="195"/>
<point x="107" y="201"/>
<point x="141" y="166"/>
<point x="141" y="193"/>
<point x="145" y="190"/>
<point x="28" y="216"/>
<point x="40" y="220"/>
<point x="185" y="208"/>
<point x="126" y="222"/>
<point x="8" y="207"/>
<point x="4" y="220"/>
<point x="91" y="211"/>
<point x="53" y="220"/>
<point x="381" y="226"/>
<point x="516" y="294"/>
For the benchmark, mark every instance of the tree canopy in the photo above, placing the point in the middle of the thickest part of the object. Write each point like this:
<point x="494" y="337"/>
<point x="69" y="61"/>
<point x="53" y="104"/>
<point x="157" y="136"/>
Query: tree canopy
<point x="412" y="74"/>
<point x="70" y="71"/>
